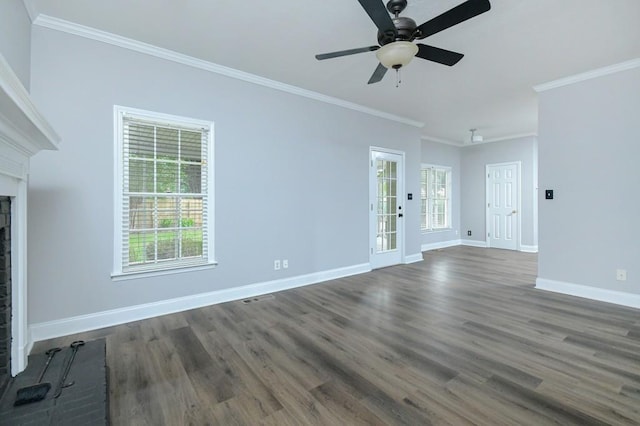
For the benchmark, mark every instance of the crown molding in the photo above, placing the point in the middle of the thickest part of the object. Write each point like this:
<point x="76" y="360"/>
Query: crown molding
<point x="510" y="137"/>
<point x="170" y="55"/>
<point x="611" y="69"/>
<point x="506" y="138"/>
<point x="467" y="144"/>
<point x="428" y="138"/>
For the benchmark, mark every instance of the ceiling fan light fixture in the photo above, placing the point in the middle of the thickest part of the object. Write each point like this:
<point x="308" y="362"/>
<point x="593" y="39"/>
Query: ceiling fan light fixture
<point x="397" y="54"/>
<point x="475" y="138"/>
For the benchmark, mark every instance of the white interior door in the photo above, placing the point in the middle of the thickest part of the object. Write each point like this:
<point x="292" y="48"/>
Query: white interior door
<point x="503" y="205"/>
<point x="386" y="220"/>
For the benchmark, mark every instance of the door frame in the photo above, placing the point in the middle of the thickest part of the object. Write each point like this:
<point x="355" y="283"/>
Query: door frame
<point x="487" y="198"/>
<point x="400" y="227"/>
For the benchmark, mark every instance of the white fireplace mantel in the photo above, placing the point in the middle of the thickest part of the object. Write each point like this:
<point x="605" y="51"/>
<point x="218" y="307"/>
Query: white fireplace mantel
<point x="23" y="129"/>
<point x="23" y="133"/>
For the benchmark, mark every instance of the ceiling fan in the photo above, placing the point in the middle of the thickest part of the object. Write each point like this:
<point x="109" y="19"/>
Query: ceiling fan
<point x="396" y="35"/>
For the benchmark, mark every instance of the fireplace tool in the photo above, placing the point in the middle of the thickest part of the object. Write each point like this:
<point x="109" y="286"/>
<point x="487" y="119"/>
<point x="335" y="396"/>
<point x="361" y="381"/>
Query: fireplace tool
<point x="39" y="390"/>
<point x="63" y="378"/>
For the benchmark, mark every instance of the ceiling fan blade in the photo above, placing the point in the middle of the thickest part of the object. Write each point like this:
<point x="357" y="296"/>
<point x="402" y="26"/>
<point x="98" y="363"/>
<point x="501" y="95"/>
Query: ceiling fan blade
<point x="379" y="15"/>
<point x="435" y="54"/>
<point x="458" y="14"/>
<point x="346" y="52"/>
<point x="378" y="74"/>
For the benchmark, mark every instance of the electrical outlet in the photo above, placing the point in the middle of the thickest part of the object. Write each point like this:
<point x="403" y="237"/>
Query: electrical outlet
<point x="276" y="265"/>
<point x="285" y="263"/>
<point x="469" y="233"/>
<point x="621" y="274"/>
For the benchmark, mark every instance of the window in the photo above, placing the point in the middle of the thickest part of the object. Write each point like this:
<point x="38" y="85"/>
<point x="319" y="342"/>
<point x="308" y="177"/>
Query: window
<point x="163" y="192"/>
<point x="435" y="198"/>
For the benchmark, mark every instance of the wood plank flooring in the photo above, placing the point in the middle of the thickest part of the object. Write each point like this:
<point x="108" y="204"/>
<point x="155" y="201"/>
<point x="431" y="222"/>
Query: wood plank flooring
<point x="461" y="338"/>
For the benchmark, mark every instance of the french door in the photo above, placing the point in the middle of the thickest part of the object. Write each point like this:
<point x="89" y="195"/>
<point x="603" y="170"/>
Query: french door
<point x="386" y="209"/>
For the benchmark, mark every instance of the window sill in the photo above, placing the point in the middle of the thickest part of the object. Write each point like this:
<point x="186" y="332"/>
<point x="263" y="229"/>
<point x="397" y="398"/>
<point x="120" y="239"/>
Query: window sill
<point x="434" y="231"/>
<point x="123" y="276"/>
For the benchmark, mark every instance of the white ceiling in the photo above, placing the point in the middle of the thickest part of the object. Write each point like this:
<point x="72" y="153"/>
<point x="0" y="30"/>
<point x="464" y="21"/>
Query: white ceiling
<point x="508" y="50"/>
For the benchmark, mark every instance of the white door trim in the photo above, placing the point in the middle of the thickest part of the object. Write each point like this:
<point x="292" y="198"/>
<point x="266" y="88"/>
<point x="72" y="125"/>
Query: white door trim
<point x="487" y="198"/>
<point x="401" y="230"/>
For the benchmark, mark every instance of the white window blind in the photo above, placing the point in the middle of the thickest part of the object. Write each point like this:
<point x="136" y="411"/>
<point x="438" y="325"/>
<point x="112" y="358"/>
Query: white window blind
<point x="165" y="193"/>
<point x="435" y="198"/>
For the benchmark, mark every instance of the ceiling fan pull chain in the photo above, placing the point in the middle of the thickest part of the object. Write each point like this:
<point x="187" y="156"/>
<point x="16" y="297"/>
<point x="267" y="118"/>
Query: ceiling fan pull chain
<point x="398" y="77"/>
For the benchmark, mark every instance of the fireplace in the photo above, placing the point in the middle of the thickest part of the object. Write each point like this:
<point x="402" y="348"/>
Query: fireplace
<point x="5" y="292"/>
<point x="23" y="133"/>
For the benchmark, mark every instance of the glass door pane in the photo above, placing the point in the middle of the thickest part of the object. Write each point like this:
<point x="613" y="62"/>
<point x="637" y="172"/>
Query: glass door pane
<point x="387" y="190"/>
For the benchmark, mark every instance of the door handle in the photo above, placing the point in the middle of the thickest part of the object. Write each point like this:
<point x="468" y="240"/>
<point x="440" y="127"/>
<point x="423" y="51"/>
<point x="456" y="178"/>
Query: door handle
<point x="399" y="214"/>
<point x="514" y="212"/>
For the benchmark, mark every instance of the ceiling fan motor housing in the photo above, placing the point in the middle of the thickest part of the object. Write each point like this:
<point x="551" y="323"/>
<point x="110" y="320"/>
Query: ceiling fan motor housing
<point x="406" y="29"/>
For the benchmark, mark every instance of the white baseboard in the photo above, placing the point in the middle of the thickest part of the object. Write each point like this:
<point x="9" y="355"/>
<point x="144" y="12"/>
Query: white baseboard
<point x="618" y="297"/>
<point x="78" y="324"/>
<point x="441" y="244"/>
<point x="413" y="258"/>
<point x="473" y="243"/>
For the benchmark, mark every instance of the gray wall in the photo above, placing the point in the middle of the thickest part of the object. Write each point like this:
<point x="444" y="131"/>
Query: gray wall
<point x="445" y="155"/>
<point x="473" y="161"/>
<point x="291" y="177"/>
<point x="589" y="153"/>
<point x="15" y="38"/>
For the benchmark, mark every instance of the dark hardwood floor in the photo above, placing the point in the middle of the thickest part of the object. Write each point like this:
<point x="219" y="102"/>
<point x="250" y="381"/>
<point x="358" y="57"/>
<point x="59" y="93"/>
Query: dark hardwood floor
<point x="461" y="338"/>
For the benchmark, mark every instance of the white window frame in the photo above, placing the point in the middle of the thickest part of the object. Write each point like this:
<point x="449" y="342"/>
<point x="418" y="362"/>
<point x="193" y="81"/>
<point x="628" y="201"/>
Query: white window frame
<point x="423" y="225"/>
<point x="166" y="268"/>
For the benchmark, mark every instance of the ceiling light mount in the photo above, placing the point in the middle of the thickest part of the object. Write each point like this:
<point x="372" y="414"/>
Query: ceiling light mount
<point x="475" y="138"/>
<point x="396" y="6"/>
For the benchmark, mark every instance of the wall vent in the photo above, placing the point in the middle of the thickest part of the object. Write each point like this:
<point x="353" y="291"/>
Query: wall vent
<point x="258" y="298"/>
